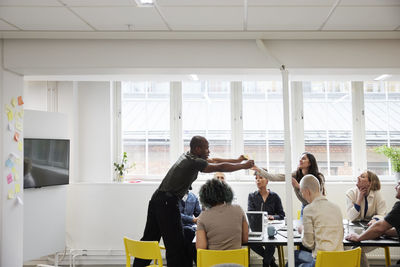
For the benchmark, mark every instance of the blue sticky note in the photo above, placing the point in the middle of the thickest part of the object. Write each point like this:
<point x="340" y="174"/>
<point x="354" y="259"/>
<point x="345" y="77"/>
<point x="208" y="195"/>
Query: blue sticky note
<point x="9" y="163"/>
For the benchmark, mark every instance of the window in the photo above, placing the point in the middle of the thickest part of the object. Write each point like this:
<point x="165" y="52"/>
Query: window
<point x="382" y="122"/>
<point x="206" y="112"/>
<point x="328" y="125"/>
<point x="263" y="124"/>
<point x="145" y="126"/>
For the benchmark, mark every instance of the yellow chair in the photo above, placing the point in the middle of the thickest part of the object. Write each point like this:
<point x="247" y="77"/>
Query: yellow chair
<point x="207" y="257"/>
<point x="347" y="258"/>
<point x="147" y="250"/>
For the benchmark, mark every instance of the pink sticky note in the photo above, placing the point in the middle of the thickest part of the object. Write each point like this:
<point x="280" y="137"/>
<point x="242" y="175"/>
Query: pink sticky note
<point x="9" y="178"/>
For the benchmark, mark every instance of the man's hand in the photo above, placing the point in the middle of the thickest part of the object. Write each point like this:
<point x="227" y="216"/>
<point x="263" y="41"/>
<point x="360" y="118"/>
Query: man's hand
<point x="195" y="219"/>
<point x="271" y="218"/>
<point x="353" y="237"/>
<point x="249" y="164"/>
<point x="242" y="158"/>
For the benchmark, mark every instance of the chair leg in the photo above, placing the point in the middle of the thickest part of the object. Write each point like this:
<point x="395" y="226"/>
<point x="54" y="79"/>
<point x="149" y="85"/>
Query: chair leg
<point x="387" y="256"/>
<point x="281" y="256"/>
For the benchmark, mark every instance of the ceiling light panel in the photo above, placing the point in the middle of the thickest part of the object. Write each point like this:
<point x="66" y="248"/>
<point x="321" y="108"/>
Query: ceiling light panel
<point x="117" y="18"/>
<point x="43" y="18"/>
<point x="286" y="18"/>
<point x="204" y="18"/>
<point x="364" y="18"/>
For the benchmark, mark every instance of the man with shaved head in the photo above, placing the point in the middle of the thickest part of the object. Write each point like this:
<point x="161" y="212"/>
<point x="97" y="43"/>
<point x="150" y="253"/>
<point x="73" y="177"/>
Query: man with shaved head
<point x="322" y="223"/>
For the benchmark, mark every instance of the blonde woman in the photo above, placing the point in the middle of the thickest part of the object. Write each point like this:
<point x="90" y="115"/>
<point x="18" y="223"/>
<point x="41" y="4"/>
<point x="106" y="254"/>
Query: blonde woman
<point x="365" y="203"/>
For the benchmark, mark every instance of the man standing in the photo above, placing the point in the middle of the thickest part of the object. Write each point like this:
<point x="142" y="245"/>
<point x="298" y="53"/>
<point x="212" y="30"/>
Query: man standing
<point x="163" y="215"/>
<point x="322" y="223"/>
<point x="390" y="225"/>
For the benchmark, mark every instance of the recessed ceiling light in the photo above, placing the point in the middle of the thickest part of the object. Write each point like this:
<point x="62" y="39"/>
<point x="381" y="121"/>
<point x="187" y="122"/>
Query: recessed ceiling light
<point x="145" y="3"/>
<point x="382" y="77"/>
<point x="194" y="77"/>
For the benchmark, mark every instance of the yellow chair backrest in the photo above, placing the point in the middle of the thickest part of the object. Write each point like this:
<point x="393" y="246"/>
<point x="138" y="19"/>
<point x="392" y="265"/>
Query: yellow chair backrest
<point x="147" y="250"/>
<point x="347" y="258"/>
<point x="207" y="257"/>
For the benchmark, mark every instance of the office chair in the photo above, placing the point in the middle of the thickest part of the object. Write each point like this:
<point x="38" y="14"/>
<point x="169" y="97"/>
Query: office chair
<point x="347" y="258"/>
<point x="207" y="257"/>
<point x="147" y="250"/>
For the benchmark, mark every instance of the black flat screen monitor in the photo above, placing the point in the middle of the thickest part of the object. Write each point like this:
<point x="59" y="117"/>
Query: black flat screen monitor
<point x="46" y="162"/>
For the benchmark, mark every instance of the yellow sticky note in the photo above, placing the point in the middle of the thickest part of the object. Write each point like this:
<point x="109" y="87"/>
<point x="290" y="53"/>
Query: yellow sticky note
<point x="10" y="116"/>
<point x="19" y="145"/>
<point x="13" y="101"/>
<point x="13" y="170"/>
<point x="21" y="113"/>
<point x="17" y="188"/>
<point x="11" y="194"/>
<point x="8" y="108"/>
<point x="16" y="177"/>
<point x="18" y="126"/>
<point x="18" y="161"/>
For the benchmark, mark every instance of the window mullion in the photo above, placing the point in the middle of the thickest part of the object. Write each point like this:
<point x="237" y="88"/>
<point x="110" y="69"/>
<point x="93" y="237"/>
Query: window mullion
<point x="176" y="139"/>
<point x="359" y="150"/>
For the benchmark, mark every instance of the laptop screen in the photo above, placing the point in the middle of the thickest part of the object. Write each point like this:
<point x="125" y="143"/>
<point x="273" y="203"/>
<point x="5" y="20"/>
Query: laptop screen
<point x="255" y="221"/>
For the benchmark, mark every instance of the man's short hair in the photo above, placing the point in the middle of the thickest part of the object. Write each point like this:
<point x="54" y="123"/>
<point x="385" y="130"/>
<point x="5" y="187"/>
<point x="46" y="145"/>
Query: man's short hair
<point x="197" y="141"/>
<point x="310" y="182"/>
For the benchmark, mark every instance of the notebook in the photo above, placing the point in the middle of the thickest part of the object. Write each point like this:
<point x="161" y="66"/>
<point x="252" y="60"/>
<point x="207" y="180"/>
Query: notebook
<point x="255" y="220"/>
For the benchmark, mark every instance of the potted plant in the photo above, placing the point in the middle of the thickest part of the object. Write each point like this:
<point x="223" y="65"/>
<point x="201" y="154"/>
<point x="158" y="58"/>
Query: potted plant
<point x="393" y="154"/>
<point x="122" y="168"/>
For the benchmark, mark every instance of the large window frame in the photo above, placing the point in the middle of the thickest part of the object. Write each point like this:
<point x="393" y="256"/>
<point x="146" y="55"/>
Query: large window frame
<point x="236" y="103"/>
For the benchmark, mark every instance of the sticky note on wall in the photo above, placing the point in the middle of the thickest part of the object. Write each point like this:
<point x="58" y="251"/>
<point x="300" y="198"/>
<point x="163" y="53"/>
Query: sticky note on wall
<point x="20" y="101"/>
<point x="9" y="178"/>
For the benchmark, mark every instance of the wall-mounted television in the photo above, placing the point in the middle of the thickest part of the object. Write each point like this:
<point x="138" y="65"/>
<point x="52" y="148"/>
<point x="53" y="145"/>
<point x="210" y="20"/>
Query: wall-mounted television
<point x="46" y="162"/>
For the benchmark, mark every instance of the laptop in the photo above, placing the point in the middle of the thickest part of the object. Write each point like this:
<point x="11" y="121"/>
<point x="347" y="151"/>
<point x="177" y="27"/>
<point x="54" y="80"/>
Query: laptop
<point x="255" y="219"/>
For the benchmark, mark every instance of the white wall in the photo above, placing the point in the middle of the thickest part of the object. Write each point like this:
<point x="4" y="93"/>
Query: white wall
<point x="99" y="215"/>
<point x="11" y="211"/>
<point x="95" y="127"/>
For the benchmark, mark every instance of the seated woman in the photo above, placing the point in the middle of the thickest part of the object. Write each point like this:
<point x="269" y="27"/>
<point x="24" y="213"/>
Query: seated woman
<point x="365" y="203"/>
<point x="307" y="165"/>
<point x="222" y="226"/>
<point x="265" y="200"/>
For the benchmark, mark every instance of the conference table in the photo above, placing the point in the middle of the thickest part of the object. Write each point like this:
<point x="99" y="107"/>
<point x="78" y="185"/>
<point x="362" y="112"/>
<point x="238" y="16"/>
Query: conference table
<point x="280" y="239"/>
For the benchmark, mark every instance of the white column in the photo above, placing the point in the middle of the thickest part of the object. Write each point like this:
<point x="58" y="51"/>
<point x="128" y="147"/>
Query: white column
<point x="297" y="121"/>
<point x="176" y="139"/>
<point x="237" y="119"/>
<point x="359" y="150"/>
<point x="75" y="151"/>
<point x="288" y="165"/>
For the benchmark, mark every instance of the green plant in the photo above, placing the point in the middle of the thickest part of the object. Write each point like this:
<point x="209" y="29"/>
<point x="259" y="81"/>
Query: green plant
<point x="393" y="153"/>
<point x="122" y="168"/>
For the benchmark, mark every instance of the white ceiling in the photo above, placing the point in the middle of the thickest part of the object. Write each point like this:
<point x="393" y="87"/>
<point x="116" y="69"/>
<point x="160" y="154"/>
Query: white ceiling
<point x="208" y="18"/>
